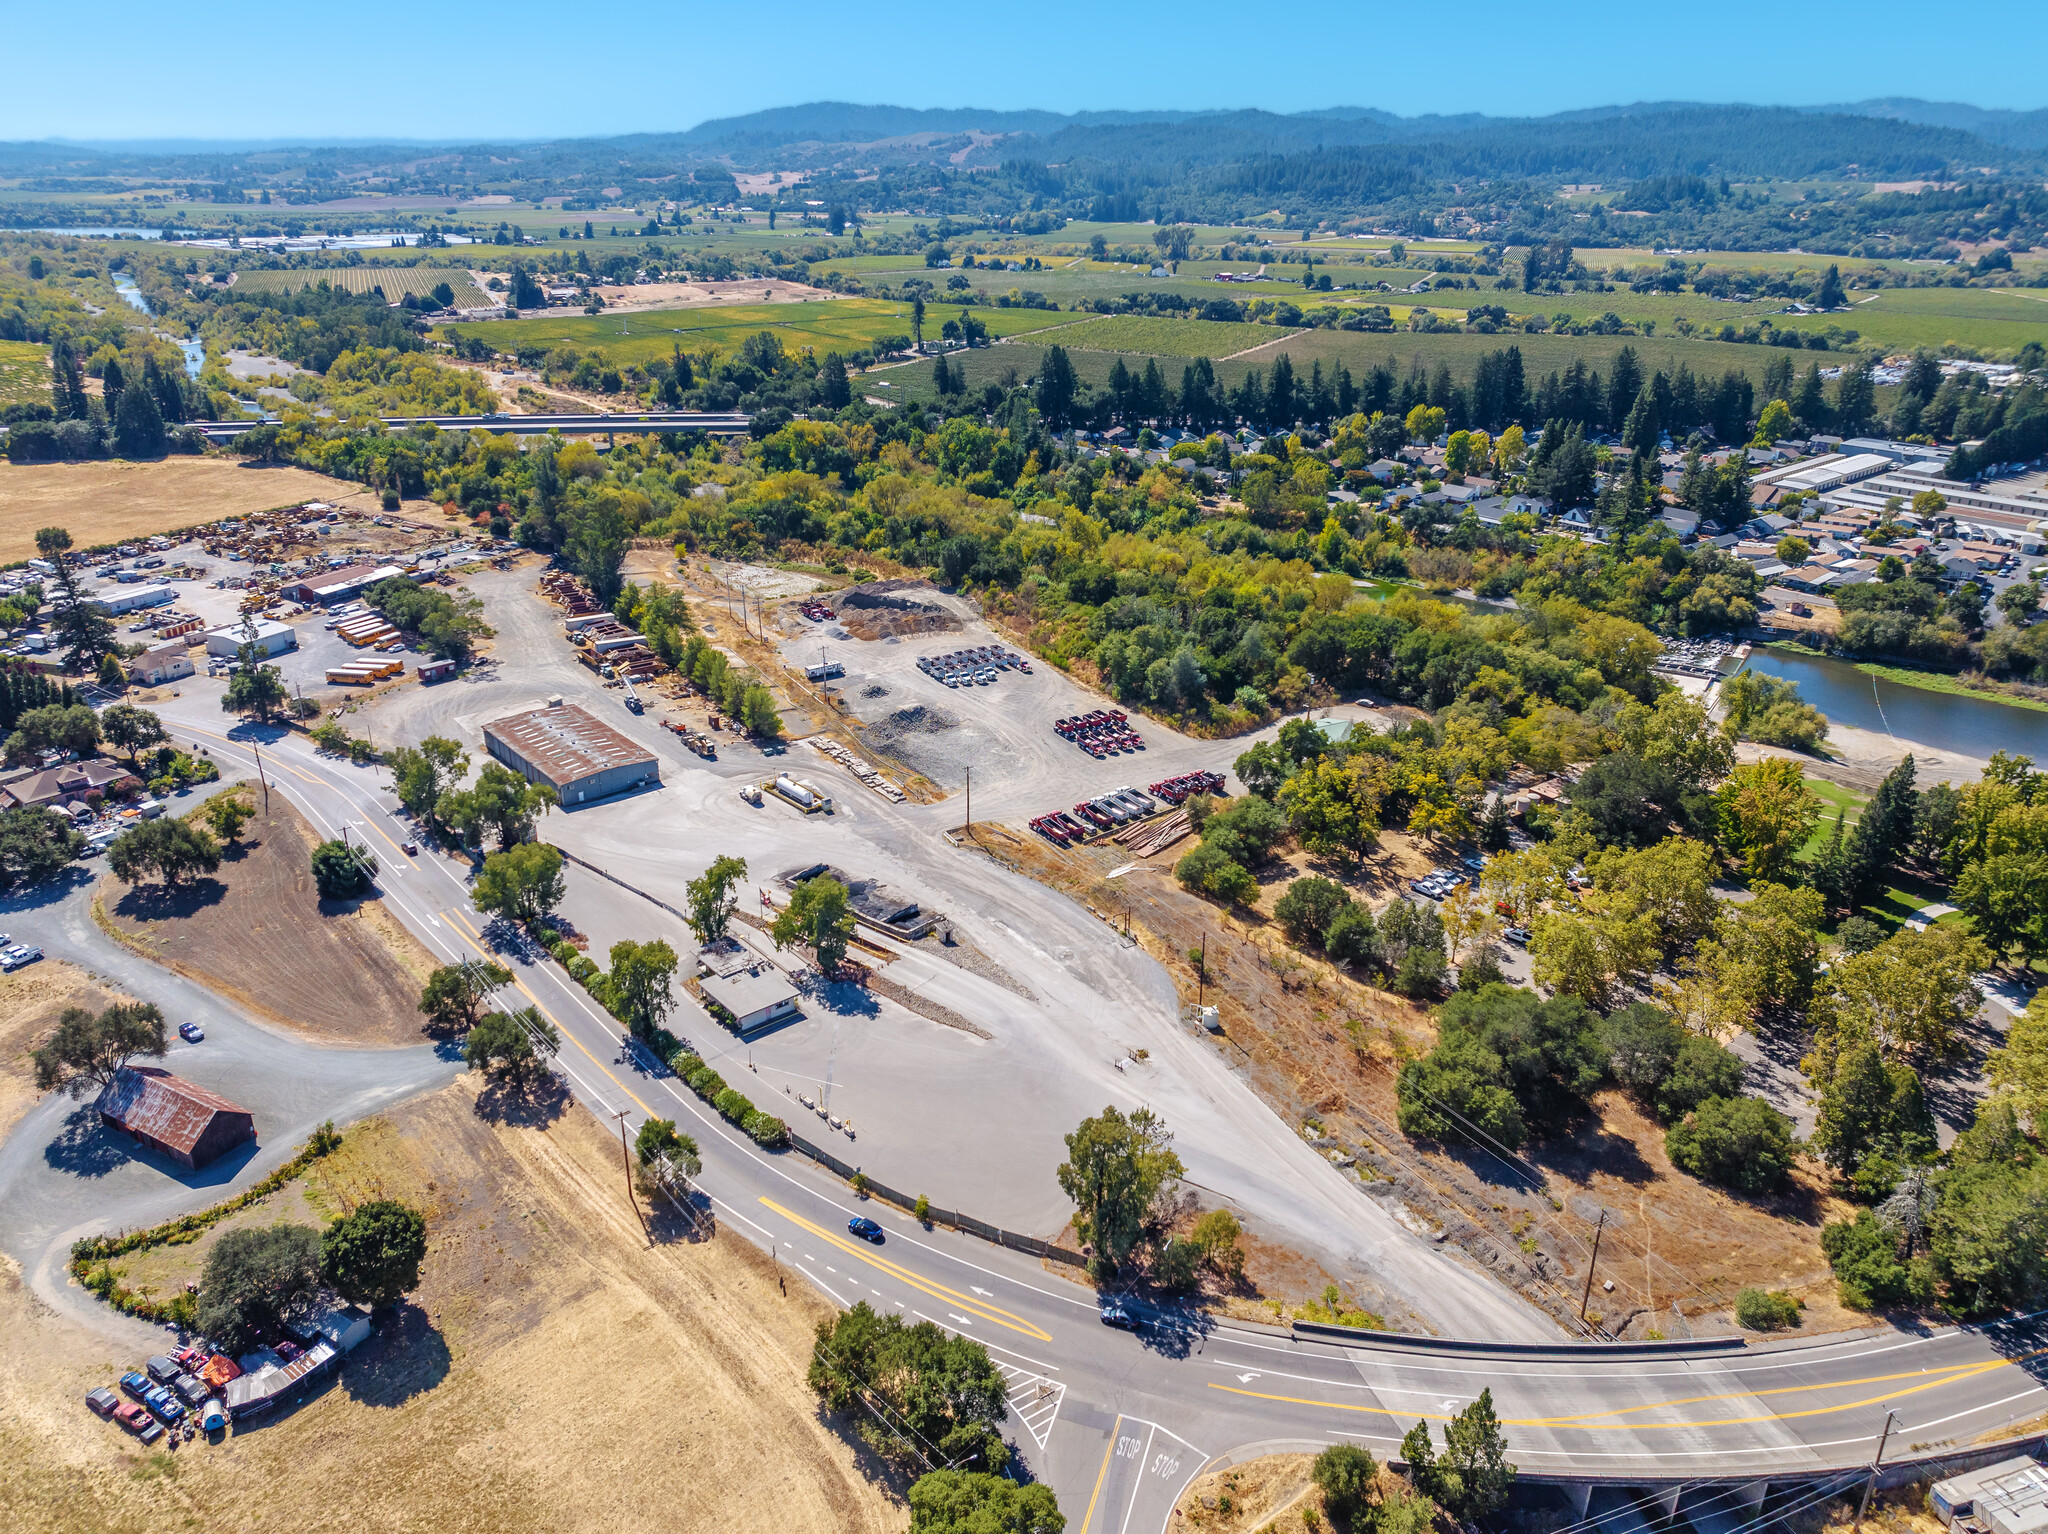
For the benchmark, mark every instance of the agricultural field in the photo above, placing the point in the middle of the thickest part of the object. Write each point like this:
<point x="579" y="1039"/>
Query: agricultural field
<point x="1982" y="319"/>
<point x="844" y="325"/>
<point x="396" y="281"/>
<point x="24" y="373"/>
<point x="1360" y="351"/>
<point x="1166" y="338"/>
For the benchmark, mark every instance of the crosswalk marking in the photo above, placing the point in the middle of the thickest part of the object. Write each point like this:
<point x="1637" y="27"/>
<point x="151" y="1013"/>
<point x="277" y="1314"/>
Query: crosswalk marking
<point x="1034" y="1400"/>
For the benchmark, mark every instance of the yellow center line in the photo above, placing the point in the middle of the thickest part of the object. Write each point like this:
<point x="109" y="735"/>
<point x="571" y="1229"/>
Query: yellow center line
<point x="1111" y="1449"/>
<point x="1583" y="1424"/>
<point x="474" y="939"/>
<point x="981" y="1308"/>
<point x="1949" y="1375"/>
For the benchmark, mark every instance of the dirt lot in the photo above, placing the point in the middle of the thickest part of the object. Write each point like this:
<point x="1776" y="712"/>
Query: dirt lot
<point x="107" y="502"/>
<point x="699" y="295"/>
<point x="1325" y="1050"/>
<point x="257" y="931"/>
<point x="30" y="1000"/>
<point x="555" y="1373"/>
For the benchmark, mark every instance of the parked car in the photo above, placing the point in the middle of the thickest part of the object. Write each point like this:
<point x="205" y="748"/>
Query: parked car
<point x="191" y="1360"/>
<point x="136" y="1383"/>
<point x="1121" y="1316"/>
<point x="1519" y="936"/>
<point x="163" y="1369"/>
<point x="103" y="1401"/>
<point x="167" y="1406"/>
<point x="865" y="1228"/>
<point x="16" y="957"/>
<point x="192" y="1392"/>
<point x="138" y="1421"/>
<point x="191" y="1033"/>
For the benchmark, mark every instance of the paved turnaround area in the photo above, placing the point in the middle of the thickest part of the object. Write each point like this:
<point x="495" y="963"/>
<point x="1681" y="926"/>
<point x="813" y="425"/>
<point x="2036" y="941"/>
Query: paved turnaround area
<point x="1117" y="1424"/>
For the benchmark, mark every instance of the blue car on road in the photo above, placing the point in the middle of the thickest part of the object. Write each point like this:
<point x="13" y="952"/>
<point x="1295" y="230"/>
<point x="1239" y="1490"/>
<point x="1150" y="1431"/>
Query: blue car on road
<point x="865" y="1228"/>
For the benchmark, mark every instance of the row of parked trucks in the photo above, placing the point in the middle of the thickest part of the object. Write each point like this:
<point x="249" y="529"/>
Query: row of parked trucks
<point x="178" y="1385"/>
<point x="1101" y="733"/>
<point x="1121" y="806"/>
<point x="817" y="612"/>
<point x="972" y="668"/>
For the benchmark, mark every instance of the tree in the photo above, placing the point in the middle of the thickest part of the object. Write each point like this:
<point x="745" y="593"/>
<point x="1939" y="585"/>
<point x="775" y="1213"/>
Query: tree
<point x="1352" y="937"/>
<point x="1989" y="1234"/>
<point x="35" y="843"/>
<point x="1642" y="1043"/>
<point x="1466" y="921"/>
<point x="974" y="1502"/>
<point x="82" y="626"/>
<point x="421" y="775"/>
<point x="522" y="883"/>
<point x="1739" y="1142"/>
<point x="1870" y="1273"/>
<point x="500" y="799"/>
<point x="2006" y="898"/>
<point x="139" y="426"/>
<point x="257" y="690"/>
<point x="371" y="1256"/>
<point x="1870" y="1107"/>
<point x="53" y="727"/>
<point x="256" y="1280"/>
<point x="168" y="847"/>
<point x="1589" y="954"/>
<point x="819" y="915"/>
<point x="1115" y="1168"/>
<point x="514" y="1046"/>
<point x="638" y="984"/>
<point x="1215" y="1236"/>
<point x="1702" y="1069"/>
<point x="342" y="871"/>
<point x="1344" y="1473"/>
<point x="131" y="730"/>
<point x="713" y="895"/>
<point x="1056" y="389"/>
<point x="921" y="1394"/>
<point x="2019" y="1069"/>
<point x="1910" y="996"/>
<point x="454" y="995"/>
<point x="1472" y="1476"/>
<point x="1774" y="423"/>
<point x="1629" y="802"/>
<point x="1211" y="871"/>
<point x="757" y="713"/>
<point x="227" y="813"/>
<point x="1410" y="936"/>
<point x="1308" y="907"/>
<point x="88" y="1050"/>
<point x="1766" y="814"/>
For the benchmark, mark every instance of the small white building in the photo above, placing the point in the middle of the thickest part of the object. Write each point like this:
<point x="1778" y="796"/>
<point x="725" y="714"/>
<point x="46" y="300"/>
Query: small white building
<point x="272" y="638"/>
<point x="756" y="996"/>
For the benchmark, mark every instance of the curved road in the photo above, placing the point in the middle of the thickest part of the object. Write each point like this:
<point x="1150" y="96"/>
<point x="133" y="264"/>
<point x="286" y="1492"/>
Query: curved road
<point x="1117" y="1424"/>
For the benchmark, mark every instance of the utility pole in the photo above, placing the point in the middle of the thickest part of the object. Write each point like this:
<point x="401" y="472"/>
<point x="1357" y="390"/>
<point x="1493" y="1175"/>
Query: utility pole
<point x="970" y="803"/>
<point x="1202" y="971"/>
<point x="627" y="1158"/>
<point x="264" y="781"/>
<point x="1877" y="1459"/>
<point x="1592" y="1262"/>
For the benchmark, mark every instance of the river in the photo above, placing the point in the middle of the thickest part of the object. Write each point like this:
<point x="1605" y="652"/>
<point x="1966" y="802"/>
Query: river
<point x="1968" y="726"/>
<point x="195" y="352"/>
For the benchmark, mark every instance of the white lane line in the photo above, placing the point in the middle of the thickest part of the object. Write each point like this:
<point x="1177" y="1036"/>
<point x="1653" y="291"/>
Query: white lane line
<point x="1138" y="1480"/>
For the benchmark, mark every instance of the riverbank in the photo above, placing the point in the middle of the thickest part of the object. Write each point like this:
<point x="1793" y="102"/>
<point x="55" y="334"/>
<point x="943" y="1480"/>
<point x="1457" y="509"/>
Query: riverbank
<point x="1860" y="759"/>
<point x="1927" y="681"/>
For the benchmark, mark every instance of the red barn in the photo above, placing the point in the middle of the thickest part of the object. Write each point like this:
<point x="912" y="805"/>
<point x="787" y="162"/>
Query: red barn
<point x="178" y="1117"/>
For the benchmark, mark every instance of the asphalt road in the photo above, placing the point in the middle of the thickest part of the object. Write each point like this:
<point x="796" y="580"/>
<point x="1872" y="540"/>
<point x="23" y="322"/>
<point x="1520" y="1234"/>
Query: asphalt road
<point x="1118" y="1424"/>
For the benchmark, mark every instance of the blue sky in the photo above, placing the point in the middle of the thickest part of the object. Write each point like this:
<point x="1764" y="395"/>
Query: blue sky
<point x="377" y="69"/>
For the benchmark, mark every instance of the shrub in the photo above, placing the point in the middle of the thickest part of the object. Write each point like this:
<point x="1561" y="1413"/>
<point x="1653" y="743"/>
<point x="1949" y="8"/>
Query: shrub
<point x="766" y="1129"/>
<point x="1210" y="871"/>
<point x="1344" y="1474"/>
<point x="684" y="1064"/>
<point x="1766" y="1310"/>
<point x="706" y="1083"/>
<point x="923" y="1211"/>
<point x="1177" y="1266"/>
<point x="1702" y="1070"/>
<point x="732" y="1105"/>
<point x="1868" y="1271"/>
<point x="1308" y="908"/>
<point x="1739" y="1142"/>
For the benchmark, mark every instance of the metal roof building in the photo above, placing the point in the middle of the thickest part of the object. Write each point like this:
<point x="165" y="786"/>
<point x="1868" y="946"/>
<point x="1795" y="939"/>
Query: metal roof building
<point x="570" y="751"/>
<point x="178" y="1117"/>
<point x="334" y="585"/>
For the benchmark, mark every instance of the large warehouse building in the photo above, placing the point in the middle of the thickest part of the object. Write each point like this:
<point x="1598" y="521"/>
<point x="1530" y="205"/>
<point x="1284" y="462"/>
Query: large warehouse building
<point x="564" y="747"/>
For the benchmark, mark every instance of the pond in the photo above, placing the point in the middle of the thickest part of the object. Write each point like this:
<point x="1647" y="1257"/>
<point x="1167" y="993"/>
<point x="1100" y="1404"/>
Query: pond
<point x="1969" y="726"/>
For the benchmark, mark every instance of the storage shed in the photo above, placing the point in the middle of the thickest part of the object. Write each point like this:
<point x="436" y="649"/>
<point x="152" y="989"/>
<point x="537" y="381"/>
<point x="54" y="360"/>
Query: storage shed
<point x="178" y="1117"/>
<point x="572" y="752"/>
<point x="272" y="638"/>
<point x="755" y="997"/>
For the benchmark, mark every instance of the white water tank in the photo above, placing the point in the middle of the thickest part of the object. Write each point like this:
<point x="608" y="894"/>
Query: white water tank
<point x="785" y="784"/>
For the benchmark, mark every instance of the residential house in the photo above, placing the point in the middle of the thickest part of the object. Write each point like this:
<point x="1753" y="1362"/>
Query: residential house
<point x="71" y="781"/>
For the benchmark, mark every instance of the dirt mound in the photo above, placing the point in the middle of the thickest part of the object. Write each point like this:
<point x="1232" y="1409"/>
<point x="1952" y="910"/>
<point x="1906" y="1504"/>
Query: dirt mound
<point x="895" y="730"/>
<point x="875" y="610"/>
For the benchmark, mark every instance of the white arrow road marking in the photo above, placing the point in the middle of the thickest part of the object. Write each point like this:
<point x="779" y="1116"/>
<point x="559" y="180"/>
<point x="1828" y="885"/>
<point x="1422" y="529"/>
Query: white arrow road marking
<point x="1245" y="1379"/>
<point x="987" y="1294"/>
<point x="960" y="1318"/>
